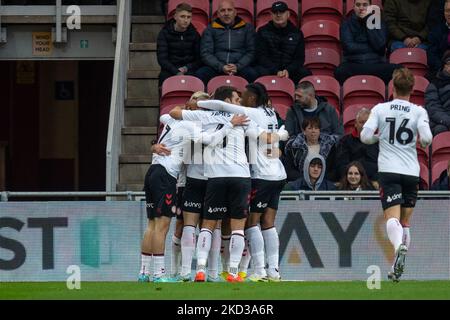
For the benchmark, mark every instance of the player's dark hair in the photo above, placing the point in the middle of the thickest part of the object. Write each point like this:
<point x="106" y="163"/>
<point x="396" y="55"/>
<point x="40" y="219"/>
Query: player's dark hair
<point x="224" y="92"/>
<point x="316" y="161"/>
<point x="404" y="81"/>
<point x="364" y="183"/>
<point x="260" y="91"/>
<point x="306" y="86"/>
<point x="313" y="122"/>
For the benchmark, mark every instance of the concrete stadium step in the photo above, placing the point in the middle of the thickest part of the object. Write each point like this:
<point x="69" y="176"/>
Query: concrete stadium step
<point x="137" y="140"/>
<point x="141" y="116"/>
<point x="133" y="172"/>
<point x="143" y="56"/>
<point x="130" y="186"/>
<point x="144" y="74"/>
<point x="142" y="88"/>
<point x="133" y="158"/>
<point x="145" y="29"/>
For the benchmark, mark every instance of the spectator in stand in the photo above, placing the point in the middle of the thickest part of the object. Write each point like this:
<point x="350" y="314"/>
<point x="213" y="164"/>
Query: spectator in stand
<point x="437" y="98"/>
<point x="308" y="105"/>
<point x="407" y="23"/>
<point x="443" y="183"/>
<point x="439" y="40"/>
<point x="436" y="10"/>
<point x="281" y="47"/>
<point x="228" y="46"/>
<point x="355" y="178"/>
<point x="178" y="45"/>
<point x="351" y="149"/>
<point x="310" y="141"/>
<point x="313" y="178"/>
<point x="364" y="47"/>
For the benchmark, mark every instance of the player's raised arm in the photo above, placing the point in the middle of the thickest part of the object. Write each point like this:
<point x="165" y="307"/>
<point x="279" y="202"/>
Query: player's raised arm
<point x="218" y="105"/>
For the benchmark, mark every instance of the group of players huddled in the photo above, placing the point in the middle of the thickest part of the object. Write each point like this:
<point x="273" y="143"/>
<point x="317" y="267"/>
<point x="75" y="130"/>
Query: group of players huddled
<point x="225" y="151"/>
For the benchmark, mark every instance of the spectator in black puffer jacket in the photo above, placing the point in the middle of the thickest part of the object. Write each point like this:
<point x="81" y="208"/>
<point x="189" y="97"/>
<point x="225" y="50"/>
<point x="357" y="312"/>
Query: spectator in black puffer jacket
<point x="364" y="48"/>
<point x="439" y="40"/>
<point x="437" y="99"/>
<point x="178" y="45"/>
<point x="281" y="47"/>
<point x="228" y="46"/>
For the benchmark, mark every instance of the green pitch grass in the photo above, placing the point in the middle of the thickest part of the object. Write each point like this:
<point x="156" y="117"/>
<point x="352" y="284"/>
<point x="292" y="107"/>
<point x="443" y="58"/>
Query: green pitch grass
<point x="228" y="291"/>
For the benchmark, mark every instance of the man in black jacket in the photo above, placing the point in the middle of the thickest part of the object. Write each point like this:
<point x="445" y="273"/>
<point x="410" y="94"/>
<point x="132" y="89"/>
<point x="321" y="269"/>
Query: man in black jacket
<point x="350" y="148"/>
<point x="281" y="47"/>
<point x="364" y="47"/>
<point x="178" y="45"/>
<point x="443" y="183"/>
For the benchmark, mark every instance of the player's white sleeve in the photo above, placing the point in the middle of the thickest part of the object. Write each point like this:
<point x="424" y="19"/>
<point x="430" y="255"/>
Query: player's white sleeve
<point x="368" y="136"/>
<point x="165" y="119"/>
<point x="218" y="105"/>
<point x="423" y="126"/>
<point x="217" y="137"/>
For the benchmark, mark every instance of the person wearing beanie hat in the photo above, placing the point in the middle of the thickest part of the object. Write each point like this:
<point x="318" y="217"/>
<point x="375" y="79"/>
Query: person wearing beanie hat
<point x="437" y="98"/>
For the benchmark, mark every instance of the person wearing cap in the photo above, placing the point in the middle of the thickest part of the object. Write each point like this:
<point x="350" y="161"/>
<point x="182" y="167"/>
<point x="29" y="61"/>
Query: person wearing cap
<point x="281" y="47"/>
<point x="437" y="98"/>
<point x="439" y="40"/>
<point x="227" y="46"/>
<point x="364" y="48"/>
<point x="313" y="176"/>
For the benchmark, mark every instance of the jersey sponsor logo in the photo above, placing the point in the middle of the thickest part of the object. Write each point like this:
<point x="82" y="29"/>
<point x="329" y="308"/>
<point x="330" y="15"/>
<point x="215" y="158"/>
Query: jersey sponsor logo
<point x="398" y="107"/>
<point x="191" y="204"/>
<point x="394" y="197"/>
<point x="262" y="205"/>
<point x="217" y="210"/>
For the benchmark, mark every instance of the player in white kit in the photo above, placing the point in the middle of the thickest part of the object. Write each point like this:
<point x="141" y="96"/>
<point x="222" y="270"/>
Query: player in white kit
<point x="398" y="123"/>
<point x="268" y="178"/>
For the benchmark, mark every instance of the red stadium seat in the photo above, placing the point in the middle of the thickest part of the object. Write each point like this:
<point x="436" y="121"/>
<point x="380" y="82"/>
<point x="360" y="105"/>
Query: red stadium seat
<point x="322" y="34"/>
<point x="322" y="61"/>
<point x="440" y="148"/>
<point x="423" y="155"/>
<point x="418" y="95"/>
<point x="437" y="169"/>
<point x="327" y="87"/>
<point x="281" y="92"/>
<point x="200" y="12"/>
<point x="349" y="116"/>
<point x="233" y="81"/>
<point x="178" y="89"/>
<point x="264" y="13"/>
<point x="322" y="10"/>
<point x="245" y="9"/>
<point x="366" y="89"/>
<point x="414" y="59"/>
<point x="424" y="176"/>
<point x="350" y="4"/>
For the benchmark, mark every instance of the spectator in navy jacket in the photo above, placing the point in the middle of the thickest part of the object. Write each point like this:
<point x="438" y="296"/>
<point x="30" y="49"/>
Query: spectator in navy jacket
<point x="364" y="47"/>
<point x="178" y="45"/>
<point x="439" y="41"/>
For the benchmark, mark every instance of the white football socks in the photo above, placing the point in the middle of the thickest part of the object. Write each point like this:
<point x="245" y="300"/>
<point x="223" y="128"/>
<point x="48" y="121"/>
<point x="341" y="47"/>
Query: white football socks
<point x="394" y="232"/>
<point x="406" y="235"/>
<point x="146" y="262"/>
<point x="159" y="266"/>
<point x="176" y="254"/>
<point x="214" y="252"/>
<point x="187" y="249"/>
<point x="225" y="252"/>
<point x="203" y="247"/>
<point x="245" y="259"/>
<point x="256" y="245"/>
<point x="272" y="245"/>
<point x="237" y="244"/>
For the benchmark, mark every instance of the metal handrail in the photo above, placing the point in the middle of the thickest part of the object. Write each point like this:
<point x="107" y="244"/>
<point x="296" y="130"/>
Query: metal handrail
<point x="286" y="195"/>
<point x="118" y="96"/>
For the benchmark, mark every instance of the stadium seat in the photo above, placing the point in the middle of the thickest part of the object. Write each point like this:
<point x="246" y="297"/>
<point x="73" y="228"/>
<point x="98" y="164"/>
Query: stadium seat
<point x="437" y="169"/>
<point x="440" y="148"/>
<point x="245" y="9"/>
<point x="418" y="95"/>
<point x="177" y="90"/>
<point x="322" y="61"/>
<point x="350" y="4"/>
<point x="424" y="177"/>
<point x="200" y="12"/>
<point x="365" y="89"/>
<point x="349" y="116"/>
<point x="327" y="87"/>
<point x="281" y="92"/>
<point x="322" y="10"/>
<point x="264" y="13"/>
<point x="423" y="155"/>
<point x="414" y="59"/>
<point x="322" y="34"/>
<point x="234" y="81"/>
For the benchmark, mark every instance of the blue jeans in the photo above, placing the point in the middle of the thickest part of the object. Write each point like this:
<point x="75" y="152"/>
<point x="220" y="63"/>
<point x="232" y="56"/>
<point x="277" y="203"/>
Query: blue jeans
<point x="399" y="44"/>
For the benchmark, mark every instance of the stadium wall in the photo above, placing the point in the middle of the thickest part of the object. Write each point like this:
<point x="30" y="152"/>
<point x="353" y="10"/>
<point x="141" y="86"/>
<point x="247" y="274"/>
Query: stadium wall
<point x="319" y="240"/>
